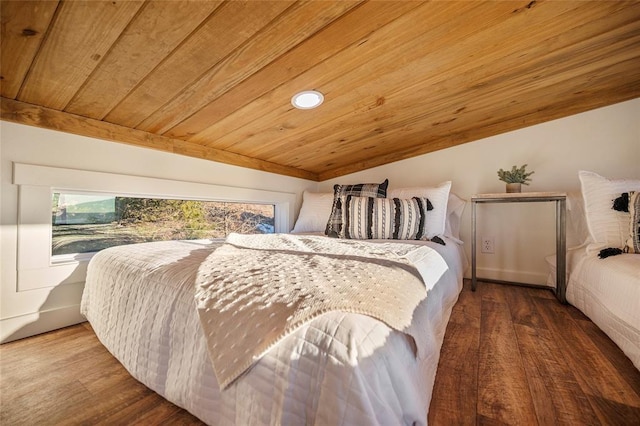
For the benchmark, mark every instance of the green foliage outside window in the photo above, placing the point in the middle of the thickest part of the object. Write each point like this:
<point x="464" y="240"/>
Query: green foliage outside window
<point x="88" y="223"/>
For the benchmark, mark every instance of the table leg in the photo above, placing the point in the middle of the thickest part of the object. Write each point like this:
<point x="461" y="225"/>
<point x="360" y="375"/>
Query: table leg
<point x="474" y="281"/>
<point x="561" y="251"/>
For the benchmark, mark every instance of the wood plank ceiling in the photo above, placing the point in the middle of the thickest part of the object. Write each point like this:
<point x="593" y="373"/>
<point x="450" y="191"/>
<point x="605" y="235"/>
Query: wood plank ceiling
<point x="214" y="79"/>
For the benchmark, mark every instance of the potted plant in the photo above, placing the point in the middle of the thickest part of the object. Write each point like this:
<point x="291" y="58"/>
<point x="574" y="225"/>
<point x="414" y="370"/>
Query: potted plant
<point x="515" y="177"/>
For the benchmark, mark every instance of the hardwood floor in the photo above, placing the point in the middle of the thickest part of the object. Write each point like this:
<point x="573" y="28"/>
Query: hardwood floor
<point x="511" y="355"/>
<point x="66" y="377"/>
<point x="515" y="355"/>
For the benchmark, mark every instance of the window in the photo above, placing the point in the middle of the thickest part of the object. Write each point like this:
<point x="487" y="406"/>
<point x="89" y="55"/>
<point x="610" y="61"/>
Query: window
<point x="36" y="268"/>
<point x="86" y="223"/>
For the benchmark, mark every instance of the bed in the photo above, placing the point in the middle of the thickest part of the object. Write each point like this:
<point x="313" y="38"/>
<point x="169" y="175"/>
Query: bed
<point x="339" y="367"/>
<point x="606" y="288"/>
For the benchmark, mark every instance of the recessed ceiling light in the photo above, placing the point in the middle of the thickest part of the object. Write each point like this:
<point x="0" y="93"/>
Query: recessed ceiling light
<point x="307" y="100"/>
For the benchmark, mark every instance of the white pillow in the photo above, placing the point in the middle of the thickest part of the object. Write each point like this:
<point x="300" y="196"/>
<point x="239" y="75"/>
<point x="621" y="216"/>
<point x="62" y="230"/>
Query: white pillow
<point x="314" y="213"/>
<point x="455" y="208"/>
<point x="439" y="196"/>
<point x="607" y="227"/>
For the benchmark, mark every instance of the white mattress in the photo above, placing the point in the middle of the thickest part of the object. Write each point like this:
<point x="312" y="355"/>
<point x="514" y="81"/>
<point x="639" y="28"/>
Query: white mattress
<point x="340" y="368"/>
<point x="608" y="292"/>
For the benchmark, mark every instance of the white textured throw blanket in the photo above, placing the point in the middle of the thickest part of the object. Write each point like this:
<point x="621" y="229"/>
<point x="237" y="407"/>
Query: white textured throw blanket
<point x="256" y="289"/>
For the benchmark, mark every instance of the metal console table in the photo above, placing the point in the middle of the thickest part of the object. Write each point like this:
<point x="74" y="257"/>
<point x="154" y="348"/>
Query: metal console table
<point x="527" y="197"/>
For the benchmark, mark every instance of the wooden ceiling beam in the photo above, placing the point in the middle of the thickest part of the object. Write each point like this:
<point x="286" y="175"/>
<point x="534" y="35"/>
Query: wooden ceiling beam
<point x="38" y="116"/>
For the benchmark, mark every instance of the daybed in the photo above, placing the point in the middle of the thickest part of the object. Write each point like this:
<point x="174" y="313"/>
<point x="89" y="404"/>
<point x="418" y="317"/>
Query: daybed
<point x="605" y="287"/>
<point x="340" y="367"/>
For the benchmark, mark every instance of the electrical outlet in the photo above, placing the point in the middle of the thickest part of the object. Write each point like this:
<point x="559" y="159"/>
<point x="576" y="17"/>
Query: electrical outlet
<point x="488" y="245"/>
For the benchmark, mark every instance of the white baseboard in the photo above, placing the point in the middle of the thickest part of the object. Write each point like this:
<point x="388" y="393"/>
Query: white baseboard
<point x="22" y="326"/>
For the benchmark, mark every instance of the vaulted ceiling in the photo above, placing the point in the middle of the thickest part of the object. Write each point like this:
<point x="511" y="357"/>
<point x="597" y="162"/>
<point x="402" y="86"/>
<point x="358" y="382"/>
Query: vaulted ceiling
<point x="214" y="79"/>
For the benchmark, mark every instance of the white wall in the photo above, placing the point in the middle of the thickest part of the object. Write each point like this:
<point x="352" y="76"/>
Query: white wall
<point x="605" y="141"/>
<point x="27" y="312"/>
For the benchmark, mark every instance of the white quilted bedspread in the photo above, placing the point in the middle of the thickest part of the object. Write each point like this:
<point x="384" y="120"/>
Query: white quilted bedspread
<point x="256" y="289"/>
<point x="608" y="292"/>
<point x="340" y="368"/>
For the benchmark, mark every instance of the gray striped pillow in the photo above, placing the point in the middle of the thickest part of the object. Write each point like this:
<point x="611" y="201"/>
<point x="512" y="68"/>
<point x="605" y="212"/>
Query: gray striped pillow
<point x="384" y="218"/>
<point x="334" y="224"/>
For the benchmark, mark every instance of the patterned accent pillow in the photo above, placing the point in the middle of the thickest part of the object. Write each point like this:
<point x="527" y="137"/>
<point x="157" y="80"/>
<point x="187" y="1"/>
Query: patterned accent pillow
<point x="384" y="218"/>
<point x="607" y="227"/>
<point x="375" y="190"/>
<point x="632" y="245"/>
<point x="627" y="206"/>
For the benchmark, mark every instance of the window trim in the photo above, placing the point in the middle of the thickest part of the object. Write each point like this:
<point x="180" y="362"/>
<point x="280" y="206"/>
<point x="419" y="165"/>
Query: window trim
<point x="35" y="266"/>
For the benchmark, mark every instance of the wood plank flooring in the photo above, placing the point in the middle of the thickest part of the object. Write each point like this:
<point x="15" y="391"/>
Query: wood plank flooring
<point x="515" y="355"/>
<point x="511" y="355"/>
